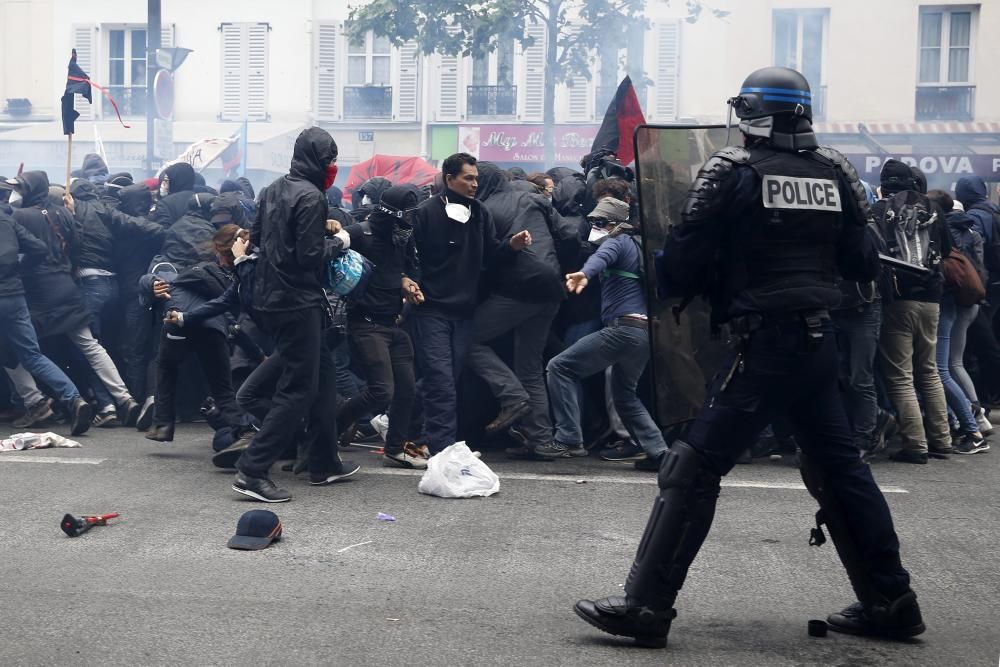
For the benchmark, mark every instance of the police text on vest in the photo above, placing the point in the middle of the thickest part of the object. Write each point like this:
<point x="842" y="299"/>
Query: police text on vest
<point x="813" y="194"/>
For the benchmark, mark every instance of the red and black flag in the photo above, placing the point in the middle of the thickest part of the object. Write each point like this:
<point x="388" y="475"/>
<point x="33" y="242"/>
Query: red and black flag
<point x="77" y="83"/>
<point x="622" y="117"/>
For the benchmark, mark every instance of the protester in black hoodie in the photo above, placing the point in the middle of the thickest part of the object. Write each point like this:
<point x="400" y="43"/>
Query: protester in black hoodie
<point x="455" y="239"/>
<point x="19" y="334"/>
<point x="289" y="230"/>
<point x="524" y="299"/>
<point x="377" y="342"/>
<point x="176" y="188"/>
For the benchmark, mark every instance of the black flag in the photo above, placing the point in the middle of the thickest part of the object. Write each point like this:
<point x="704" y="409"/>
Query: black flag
<point x="77" y="83"/>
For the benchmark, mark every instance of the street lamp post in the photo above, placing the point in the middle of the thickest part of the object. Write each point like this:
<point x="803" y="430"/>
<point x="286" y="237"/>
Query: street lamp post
<point x="154" y="39"/>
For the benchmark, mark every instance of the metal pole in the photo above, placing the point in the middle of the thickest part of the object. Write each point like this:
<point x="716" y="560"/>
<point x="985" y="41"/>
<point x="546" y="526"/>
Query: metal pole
<point x="154" y="32"/>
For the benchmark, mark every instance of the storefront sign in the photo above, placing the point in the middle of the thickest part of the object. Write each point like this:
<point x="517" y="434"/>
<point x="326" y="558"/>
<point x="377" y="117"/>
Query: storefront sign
<point x="525" y="143"/>
<point x="956" y="166"/>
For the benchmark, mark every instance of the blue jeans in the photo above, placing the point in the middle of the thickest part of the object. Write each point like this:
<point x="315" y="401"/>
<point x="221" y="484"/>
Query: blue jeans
<point x="16" y="327"/>
<point x="100" y="293"/>
<point x="857" y="341"/>
<point x="959" y="403"/>
<point x="441" y="344"/>
<point x="626" y="350"/>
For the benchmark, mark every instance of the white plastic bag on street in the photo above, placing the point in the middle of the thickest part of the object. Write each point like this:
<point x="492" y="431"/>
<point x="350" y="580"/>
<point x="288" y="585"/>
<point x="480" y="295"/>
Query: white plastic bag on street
<point x="457" y="473"/>
<point x="20" y="441"/>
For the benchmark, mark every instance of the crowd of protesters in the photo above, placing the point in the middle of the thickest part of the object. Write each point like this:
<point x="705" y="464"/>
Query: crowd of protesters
<point x="494" y="303"/>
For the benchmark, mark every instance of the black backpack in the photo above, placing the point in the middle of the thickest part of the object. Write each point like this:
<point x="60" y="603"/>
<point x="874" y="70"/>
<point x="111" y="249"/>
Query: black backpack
<point x="991" y="240"/>
<point x="905" y="222"/>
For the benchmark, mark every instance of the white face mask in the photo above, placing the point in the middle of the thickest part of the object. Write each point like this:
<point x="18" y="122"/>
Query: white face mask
<point x="164" y="189"/>
<point x="15" y="197"/>
<point x="366" y="201"/>
<point x="457" y="212"/>
<point x="597" y="235"/>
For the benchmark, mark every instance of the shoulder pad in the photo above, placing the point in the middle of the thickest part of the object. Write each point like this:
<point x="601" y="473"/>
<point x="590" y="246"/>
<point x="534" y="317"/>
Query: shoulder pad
<point x="850" y="174"/>
<point x="705" y="198"/>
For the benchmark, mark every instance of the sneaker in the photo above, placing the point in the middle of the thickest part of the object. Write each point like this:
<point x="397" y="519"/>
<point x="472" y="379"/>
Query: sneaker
<point x="81" y="415"/>
<point x="35" y="415"/>
<point x="623" y="450"/>
<point x="161" y="433"/>
<point x="971" y="443"/>
<point x="367" y="435"/>
<point x="508" y="417"/>
<point x="411" y="456"/>
<point x="105" y="417"/>
<point x="347" y="468"/>
<point x="556" y="450"/>
<point x="128" y="412"/>
<point x="985" y="425"/>
<point x="228" y="457"/>
<point x="145" y="418"/>
<point x="908" y="456"/>
<point x="260" y="488"/>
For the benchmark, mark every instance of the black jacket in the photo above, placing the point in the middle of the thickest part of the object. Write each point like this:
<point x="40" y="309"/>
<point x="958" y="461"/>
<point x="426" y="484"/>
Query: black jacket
<point x="290" y="226"/>
<point x="189" y="240"/>
<point x="137" y="238"/>
<point x="383" y="296"/>
<point x="16" y="240"/>
<point x="453" y="254"/>
<point x="534" y="275"/>
<point x="191" y="288"/>
<point x="96" y="243"/>
<point x="53" y="298"/>
<point x="170" y="209"/>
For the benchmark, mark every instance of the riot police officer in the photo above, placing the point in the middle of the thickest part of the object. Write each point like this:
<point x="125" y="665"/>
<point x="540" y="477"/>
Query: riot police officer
<point x="766" y="230"/>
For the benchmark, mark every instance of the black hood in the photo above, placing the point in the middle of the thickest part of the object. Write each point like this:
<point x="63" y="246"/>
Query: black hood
<point x="201" y="205"/>
<point x="959" y="220"/>
<point x="314" y="150"/>
<point x="136" y="200"/>
<point x="181" y="177"/>
<point x="492" y="179"/>
<point x="399" y="198"/>
<point x="568" y="196"/>
<point x="373" y="187"/>
<point x="970" y="190"/>
<point x="557" y="174"/>
<point x="34" y="188"/>
<point x="94" y="169"/>
<point x="246" y="186"/>
<point x="83" y="190"/>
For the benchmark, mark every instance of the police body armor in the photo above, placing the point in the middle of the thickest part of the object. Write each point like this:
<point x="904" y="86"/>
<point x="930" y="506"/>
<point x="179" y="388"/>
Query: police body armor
<point x="782" y="258"/>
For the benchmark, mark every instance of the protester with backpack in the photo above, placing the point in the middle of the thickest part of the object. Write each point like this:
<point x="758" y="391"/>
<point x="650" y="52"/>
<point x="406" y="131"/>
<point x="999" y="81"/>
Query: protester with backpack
<point x="972" y="193"/>
<point x="966" y="253"/>
<point x="913" y="231"/>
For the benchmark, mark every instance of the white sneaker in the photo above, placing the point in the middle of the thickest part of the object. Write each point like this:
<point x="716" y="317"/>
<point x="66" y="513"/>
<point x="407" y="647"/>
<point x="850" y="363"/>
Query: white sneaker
<point x="412" y="456"/>
<point x="985" y="426"/>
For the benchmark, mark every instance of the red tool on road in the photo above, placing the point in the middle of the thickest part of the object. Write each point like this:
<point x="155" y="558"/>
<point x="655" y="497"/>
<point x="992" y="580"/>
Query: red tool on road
<point x="73" y="526"/>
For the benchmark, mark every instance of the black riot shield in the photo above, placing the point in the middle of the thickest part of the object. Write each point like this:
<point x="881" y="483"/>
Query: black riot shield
<point x="685" y="355"/>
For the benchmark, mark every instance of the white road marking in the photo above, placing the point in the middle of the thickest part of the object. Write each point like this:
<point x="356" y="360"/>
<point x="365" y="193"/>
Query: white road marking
<point x="359" y="544"/>
<point x="31" y="458"/>
<point x="613" y="479"/>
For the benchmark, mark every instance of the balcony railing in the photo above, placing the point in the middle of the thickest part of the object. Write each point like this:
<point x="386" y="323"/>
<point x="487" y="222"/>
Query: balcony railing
<point x="491" y="101"/>
<point x="131" y="102"/>
<point x="946" y="102"/>
<point x="368" y="102"/>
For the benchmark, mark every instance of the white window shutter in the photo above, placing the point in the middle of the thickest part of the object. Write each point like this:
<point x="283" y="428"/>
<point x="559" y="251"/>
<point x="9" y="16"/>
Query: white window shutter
<point x="85" y="43"/>
<point x="168" y="34"/>
<point x="666" y="82"/>
<point x="449" y="89"/>
<point x="325" y="93"/>
<point x="406" y="95"/>
<point x="580" y="98"/>
<point x="534" y="80"/>
<point x="257" y="61"/>
<point x="231" y="95"/>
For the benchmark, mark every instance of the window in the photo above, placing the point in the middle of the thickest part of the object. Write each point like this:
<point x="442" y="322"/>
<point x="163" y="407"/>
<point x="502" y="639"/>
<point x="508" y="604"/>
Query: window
<point x="800" y="43"/>
<point x="244" y="71"/>
<point x="127" y="71"/>
<point x="944" y="77"/>
<point x="368" y="62"/>
<point x="493" y="92"/>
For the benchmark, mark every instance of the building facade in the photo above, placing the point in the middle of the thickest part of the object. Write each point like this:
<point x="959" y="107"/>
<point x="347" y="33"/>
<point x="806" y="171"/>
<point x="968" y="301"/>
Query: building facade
<point x="900" y="78"/>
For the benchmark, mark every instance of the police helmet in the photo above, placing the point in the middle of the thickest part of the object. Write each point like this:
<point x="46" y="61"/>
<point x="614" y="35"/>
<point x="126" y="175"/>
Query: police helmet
<point x="773" y="91"/>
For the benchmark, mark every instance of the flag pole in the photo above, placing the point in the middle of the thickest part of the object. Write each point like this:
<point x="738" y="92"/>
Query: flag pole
<point x="69" y="159"/>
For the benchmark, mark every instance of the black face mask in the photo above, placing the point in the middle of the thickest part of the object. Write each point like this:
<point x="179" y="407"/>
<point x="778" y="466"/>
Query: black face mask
<point x="401" y="235"/>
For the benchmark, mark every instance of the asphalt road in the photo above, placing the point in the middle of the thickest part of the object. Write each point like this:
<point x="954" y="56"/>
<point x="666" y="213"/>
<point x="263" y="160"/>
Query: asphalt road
<point x="458" y="582"/>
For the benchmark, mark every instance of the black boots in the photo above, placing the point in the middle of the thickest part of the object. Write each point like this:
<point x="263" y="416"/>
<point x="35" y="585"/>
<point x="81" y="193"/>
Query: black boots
<point x="624" y="617"/>
<point x="161" y="433"/>
<point x="896" y="619"/>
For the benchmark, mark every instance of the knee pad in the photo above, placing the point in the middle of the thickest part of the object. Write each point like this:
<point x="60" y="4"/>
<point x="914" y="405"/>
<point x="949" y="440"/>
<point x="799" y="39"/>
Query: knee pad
<point x="680" y="466"/>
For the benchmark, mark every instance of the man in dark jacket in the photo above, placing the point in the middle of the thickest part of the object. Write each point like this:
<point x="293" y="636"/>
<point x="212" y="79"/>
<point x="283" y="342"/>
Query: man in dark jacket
<point x="95" y="254"/>
<point x="289" y="230"/>
<point x="524" y="298"/>
<point x="19" y="334"/>
<point x="176" y="188"/>
<point x="55" y="302"/>
<point x="907" y="343"/>
<point x="378" y="343"/>
<point x="455" y="239"/>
